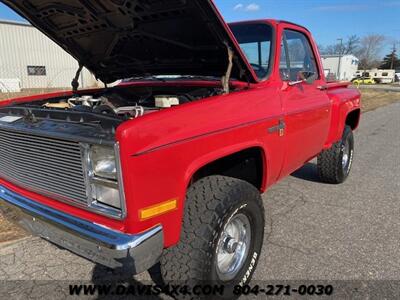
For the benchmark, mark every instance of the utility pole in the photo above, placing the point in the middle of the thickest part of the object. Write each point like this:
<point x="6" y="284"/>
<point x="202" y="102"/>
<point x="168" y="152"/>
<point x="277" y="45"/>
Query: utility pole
<point x="393" y="56"/>
<point x="340" y="58"/>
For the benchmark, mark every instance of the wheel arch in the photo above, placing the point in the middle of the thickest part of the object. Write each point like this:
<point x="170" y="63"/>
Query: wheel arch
<point x="353" y="118"/>
<point x="242" y="157"/>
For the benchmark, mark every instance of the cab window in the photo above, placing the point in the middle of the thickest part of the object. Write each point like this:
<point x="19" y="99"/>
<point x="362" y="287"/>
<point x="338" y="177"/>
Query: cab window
<point x="297" y="58"/>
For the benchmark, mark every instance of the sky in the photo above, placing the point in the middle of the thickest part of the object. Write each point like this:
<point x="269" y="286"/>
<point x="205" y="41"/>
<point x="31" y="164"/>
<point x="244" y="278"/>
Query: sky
<point x="328" y="20"/>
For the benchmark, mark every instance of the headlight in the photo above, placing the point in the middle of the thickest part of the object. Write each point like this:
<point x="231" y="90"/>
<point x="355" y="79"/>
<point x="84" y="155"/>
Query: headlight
<point x="104" y="179"/>
<point x="103" y="162"/>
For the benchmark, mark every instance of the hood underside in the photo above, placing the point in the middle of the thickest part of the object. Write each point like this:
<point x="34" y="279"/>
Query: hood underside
<point x="117" y="39"/>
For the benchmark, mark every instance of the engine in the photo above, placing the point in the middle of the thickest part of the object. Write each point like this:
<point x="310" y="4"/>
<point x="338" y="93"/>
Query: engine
<point x="125" y="105"/>
<point x="99" y="105"/>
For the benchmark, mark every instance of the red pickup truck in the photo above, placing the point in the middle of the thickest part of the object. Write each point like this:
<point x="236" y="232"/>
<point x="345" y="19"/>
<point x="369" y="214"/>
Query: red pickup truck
<point x="168" y="166"/>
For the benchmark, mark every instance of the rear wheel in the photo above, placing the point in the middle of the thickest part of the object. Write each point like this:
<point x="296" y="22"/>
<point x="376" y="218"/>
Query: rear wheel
<point x="221" y="239"/>
<point x="334" y="165"/>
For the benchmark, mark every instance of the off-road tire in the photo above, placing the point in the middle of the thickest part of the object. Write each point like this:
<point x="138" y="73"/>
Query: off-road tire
<point x="330" y="166"/>
<point x="210" y="203"/>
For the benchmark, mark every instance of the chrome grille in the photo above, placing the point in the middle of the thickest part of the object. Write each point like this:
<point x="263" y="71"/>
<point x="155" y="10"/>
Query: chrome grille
<point x="48" y="166"/>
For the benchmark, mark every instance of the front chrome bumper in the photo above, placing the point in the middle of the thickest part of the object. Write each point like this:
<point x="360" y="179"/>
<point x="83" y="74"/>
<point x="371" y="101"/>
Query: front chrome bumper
<point x="89" y="240"/>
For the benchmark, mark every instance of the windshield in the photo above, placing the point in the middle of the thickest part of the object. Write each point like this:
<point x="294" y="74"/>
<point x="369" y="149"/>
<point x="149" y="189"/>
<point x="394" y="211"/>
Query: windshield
<point x="255" y="40"/>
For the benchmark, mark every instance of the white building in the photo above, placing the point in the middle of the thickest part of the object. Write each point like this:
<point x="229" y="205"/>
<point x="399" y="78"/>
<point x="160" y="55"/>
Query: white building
<point x="348" y="65"/>
<point x="31" y="60"/>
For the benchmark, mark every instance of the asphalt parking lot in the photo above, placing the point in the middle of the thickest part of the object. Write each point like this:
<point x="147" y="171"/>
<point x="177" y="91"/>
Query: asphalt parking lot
<point x="315" y="231"/>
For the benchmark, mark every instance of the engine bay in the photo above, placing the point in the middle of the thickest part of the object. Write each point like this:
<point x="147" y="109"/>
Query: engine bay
<point x="110" y="107"/>
<point x="130" y="102"/>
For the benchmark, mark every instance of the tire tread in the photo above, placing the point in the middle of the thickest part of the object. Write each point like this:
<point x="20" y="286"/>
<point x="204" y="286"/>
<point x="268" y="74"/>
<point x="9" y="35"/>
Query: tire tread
<point x="207" y="203"/>
<point x="329" y="162"/>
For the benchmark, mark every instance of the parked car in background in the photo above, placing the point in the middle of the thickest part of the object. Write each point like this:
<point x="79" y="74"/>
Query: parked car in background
<point x="364" y="80"/>
<point x="169" y="170"/>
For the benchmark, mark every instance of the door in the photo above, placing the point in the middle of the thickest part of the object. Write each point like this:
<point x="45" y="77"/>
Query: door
<point x="306" y="107"/>
<point x="257" y="42"/>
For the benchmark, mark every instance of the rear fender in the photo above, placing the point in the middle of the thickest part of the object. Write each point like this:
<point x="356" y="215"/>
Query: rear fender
<point x="344" y="102"/>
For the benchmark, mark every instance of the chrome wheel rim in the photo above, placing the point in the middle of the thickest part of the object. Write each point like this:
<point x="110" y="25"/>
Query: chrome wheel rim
<point x="233" y="247"/>
<point x="346" y="155"/>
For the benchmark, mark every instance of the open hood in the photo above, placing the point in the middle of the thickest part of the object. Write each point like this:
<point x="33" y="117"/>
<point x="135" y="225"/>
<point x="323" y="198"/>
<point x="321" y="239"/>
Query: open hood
<point x="118" y="39"/>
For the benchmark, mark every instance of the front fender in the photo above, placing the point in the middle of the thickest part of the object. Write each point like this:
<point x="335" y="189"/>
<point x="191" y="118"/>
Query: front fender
<point x="166" y="174"/>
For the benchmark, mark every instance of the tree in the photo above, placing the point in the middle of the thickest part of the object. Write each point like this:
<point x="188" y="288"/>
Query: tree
<point x="391" y="61"/>
<point x="370" y="47"/>
<point x="350" y="46"/>
<point x="331" y="49"/>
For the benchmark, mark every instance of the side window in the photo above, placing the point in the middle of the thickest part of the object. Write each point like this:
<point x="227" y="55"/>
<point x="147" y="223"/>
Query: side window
<point x="283" y="65"/>
<point x="300" y="57"/>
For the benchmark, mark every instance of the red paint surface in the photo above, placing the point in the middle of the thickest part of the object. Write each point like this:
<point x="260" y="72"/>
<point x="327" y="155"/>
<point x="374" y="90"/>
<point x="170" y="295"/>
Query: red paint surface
<point x="161" y="151"/>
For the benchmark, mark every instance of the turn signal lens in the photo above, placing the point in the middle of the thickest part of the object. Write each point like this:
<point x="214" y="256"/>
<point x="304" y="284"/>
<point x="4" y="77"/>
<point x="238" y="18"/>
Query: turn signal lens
<point x="157" y="210"/>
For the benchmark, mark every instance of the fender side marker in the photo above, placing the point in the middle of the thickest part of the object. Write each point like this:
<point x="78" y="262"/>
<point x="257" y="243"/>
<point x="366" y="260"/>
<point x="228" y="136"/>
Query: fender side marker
<point x="158" y="209"/>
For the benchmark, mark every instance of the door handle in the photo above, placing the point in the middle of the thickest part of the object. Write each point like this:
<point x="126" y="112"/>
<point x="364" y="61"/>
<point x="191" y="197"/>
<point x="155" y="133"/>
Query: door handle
<point x="280" y="127"/>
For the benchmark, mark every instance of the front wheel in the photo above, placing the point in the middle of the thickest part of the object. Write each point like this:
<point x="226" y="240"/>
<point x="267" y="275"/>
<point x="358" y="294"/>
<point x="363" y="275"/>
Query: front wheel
<point x="334" y="165"/>
<point x="221" y="238"/>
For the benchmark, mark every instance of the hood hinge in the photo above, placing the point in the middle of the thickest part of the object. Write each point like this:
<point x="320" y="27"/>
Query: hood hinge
<point x="227" y="78"/>
<point x="75" y="81"/>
